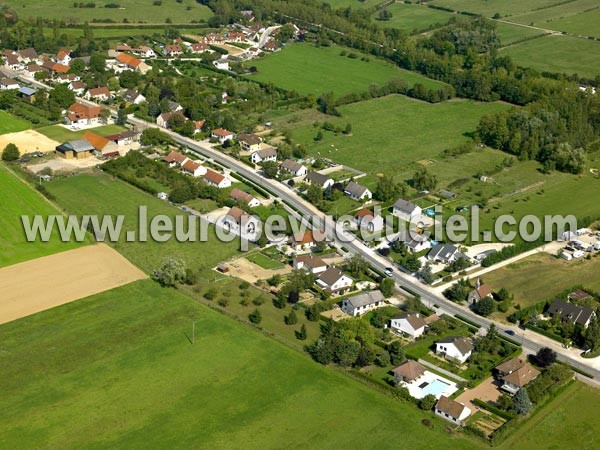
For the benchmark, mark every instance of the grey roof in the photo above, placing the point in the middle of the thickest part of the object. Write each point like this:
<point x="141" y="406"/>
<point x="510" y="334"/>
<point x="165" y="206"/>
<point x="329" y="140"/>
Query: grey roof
<point x="27" y="90"/>
<point x="317" y="178"/>
<point x="571" y="312"/>
<point x="366" y="298"/>
<point x="415" y="320"/>
<point x="443" y="252"/>
<point x="131" y="95"/>
<point x="405" y="206"/>
<point x="173" y="106"/>
<point x="267" y="152"/>
<point x="463" y="344"/>
<point x="81" y="145"/>
<point x="355" y="189"/>
<point x="330" y="276"/>
<point x="250" y="139"/>
<point x="291" y="165"/>
<point x="412" y="239"/>
<point x="447" y="194"/>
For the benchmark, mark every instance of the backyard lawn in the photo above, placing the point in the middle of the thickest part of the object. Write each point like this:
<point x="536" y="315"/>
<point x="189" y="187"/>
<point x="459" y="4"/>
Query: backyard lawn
<point x="119" y="370"/>
<point x="263" y="261"/>
<point x="62" y="134"/>
<point x="12" y="124"/>
<point x="19" y="199"/>
<point x="102" y="194"/>
<point x="316" y="70"/>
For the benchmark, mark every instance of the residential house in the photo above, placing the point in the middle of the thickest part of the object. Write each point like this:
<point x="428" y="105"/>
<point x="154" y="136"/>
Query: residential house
<point x="408" y="371"/>
<point x="173" y="50"/>
<point x="199" y="47"/>
<point x="405" y="210"/>
<point x="454" y="348"/>
<point x="240" y="196"/>
<point x="193" y="168"/>
<point x="296" y="169"/>
<point x="235" y="37"/>
<point x="334" y="280"/>
<point x="79" y="149"/>
<point x="28" y="56"/>
<point x="175" y="159"/>
<point x="214" y="38"/>
<point x="310" y="263"/>
<point x="79" y="114"/>
<point x="249" y="142"/>
<point x="78" y="87"/>
<point x="413" y="241"/>
<point x="63" y="57"/>
<point x="221" y="64"/>
<point x="580" y="295"/>
<point x="216" y="179"/>
<point x="163" y="120"/>
<point x="360" y="304"/>
<point x="222" y="135"/>
<point x="65" y="78"/>
<point x="266" y="153"/>
<point x="32" y="69"/>
<point x="318" y="179"/>
<point x="124" y="138"/>
<point x="303" y="241"/>
<point x="128" y="62"/>
<point x="452" y="410"/>
<point x="270" y="46"/>
<point x="411" y="324"/>
<point x="368" y="220"/>
<point x="7" y="84"/>
<point x="133" y="97"/>
<point x="357" y="192"/>
<point x="515" y="374"/>
<point x="198" y="125"/>
<point x="445" y="253"/>
<point x="174" y="106"/>
<point x="480" y="292"/>
<point x="12" y="63"/>
<point x="144" y="51"/>
<point x="241" y="223"/>
<point x="570" y="312"/>
<point x="104" y="146"/>
<point x="100" y="94"/>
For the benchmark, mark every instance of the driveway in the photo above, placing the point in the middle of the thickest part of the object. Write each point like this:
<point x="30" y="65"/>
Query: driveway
<point x="487" y="391"/>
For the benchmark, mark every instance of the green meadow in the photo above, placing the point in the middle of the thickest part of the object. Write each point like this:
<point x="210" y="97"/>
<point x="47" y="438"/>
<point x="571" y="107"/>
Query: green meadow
<point x="413" y="17"/>
<point x="12" y="124"/>
<point x="62" y="134"/>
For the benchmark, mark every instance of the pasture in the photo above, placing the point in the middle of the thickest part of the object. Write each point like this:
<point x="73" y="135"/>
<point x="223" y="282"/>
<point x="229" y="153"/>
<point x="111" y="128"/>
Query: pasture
<point x="565" y="422"/>
<point x="396" y="130"/>
<point x="556" y="53"/>
<point x="315" y="70"/>
<point x="546" y="16"/>
<point x="540" y="277"/>
<point x="132" y="10"/>
<point x="354" y="4"/>
<point x="18" y="198"/>
<point x="413" y="17"/>
<point x="102" y="194"/>
<point x="583" y="23"/>
<point x="119" y="369"/>
<point x="61" y="134"/>
<point x="108" y="32"/>
<point x="12" y="124"/>
<point x="490" y="7"/>
<point x="511" y="33"/>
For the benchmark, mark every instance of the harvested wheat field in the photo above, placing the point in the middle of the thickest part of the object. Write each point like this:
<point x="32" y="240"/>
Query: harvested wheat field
<point x="29" y="141"/>
<point x="43" y="283"/>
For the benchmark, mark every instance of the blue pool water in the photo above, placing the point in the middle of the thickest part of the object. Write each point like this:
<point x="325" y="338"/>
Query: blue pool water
<point x="436" y="387"/>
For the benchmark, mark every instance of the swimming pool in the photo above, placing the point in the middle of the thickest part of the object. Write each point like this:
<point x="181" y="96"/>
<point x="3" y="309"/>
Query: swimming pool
<point x="435" y="387"/>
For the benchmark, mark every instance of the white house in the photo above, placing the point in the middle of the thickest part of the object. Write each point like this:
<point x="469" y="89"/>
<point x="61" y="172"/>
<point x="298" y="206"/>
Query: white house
<point x="318" y="179"/>
<point x="63" y="57"/>
<point x="175" y="159"/>
<point x="144" y="51"/>
<point x="445" y="253"/>
<point x="413" y="241"/>
<point x="222" y="135"/>
<point x="78" y="87"/>
<point x="357" y="305"/>
<point x="266" y="153"/>
<point x="221" y="64"/>
<point x="451" y="410"/>
<point x="241" y="223"/>
<point x="405" y="210"/>
<point x="455" y="348"/>
<point x="296" y="169"/>
<point x="412" y="324"/>
<point x="357" y="192"/>
<point x="8" y="84"/>
<point x="133" y="97"/>
<point x="240" y="196"/>
<point x="100" y="94"/>
<point x="216" y="179"/>
<point x="310" y="263"/>
<point x="334" y="280"/>
<point x="303" y="241"/>
<point x="193" y="168"/>
<point x="367" y="220"/>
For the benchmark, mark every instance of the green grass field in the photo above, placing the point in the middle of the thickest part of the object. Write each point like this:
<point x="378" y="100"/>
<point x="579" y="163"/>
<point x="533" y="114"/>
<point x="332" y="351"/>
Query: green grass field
<point x="413" y="17"/>
<point x="101" y="194"/>
<point x="568" y="421"/>
<point x="264" y="261"/>
<point x="315" y="70"/>
<point x="540" y="277"/>
<point x="12" y="124"/>
<point x="118" y="370"/>
<point x="545" y="17"/>
<point x="113" y="32"/>
<point x="490" y="7"/>
<point x="509" y="33"/>
<point x="62" y="134"/>
<point x="397" y="131"/>
<point x="132" y="10"/>
<point x="558" y="54"/>
<point x="20" y="199"/>
<point x="584" y="23"/>
<point x="354" y="4"/>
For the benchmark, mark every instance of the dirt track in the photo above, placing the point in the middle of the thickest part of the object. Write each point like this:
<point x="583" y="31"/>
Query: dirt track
<point x="29" y="141"/>
<point x="43" y="283"/>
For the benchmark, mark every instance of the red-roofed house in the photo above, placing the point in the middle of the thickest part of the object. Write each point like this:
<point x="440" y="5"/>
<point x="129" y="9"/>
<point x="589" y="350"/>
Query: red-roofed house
<point x="173" y="50"/>
<point x="101" y="94"/>
<point x="222" y="135"/>
<point x="63" y="56"/>
<point x="193" y="168"/>
<point x="83" y="115"/>
<point x="216" y="179"/>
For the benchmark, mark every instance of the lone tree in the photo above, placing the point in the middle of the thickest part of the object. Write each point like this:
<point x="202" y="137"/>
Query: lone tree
<point x="173" y="271"/>
<point x="428" y="402"/>
<point x="423" y="180"/>
<point x="10" y="153"/>
<point x="301" y="334"/>
<point x="545" y="357"/>
<point x="485" y="306"/>
<point x="255" y="317"/>
<point x="521" y="402"/>
<point x="291" y="318"/>
<point x="396" y="353"/>
<point x="387" y="287"/>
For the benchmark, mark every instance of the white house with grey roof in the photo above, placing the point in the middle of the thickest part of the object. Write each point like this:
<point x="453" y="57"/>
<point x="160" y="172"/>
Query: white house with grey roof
<point x="413" y="241"/>
<point x="360" y="304"/>
<point x="445" y="253"/>
<point x="318" y="179"/>
<point x="293" y="167"/>
<point x="405" y="210"/>
<point x="412" y="324"/>
<point x="334" y="280"/>
<point x="454" y="348"/>
<point x="266" y="153"/>
<point x="357" y="192"/>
